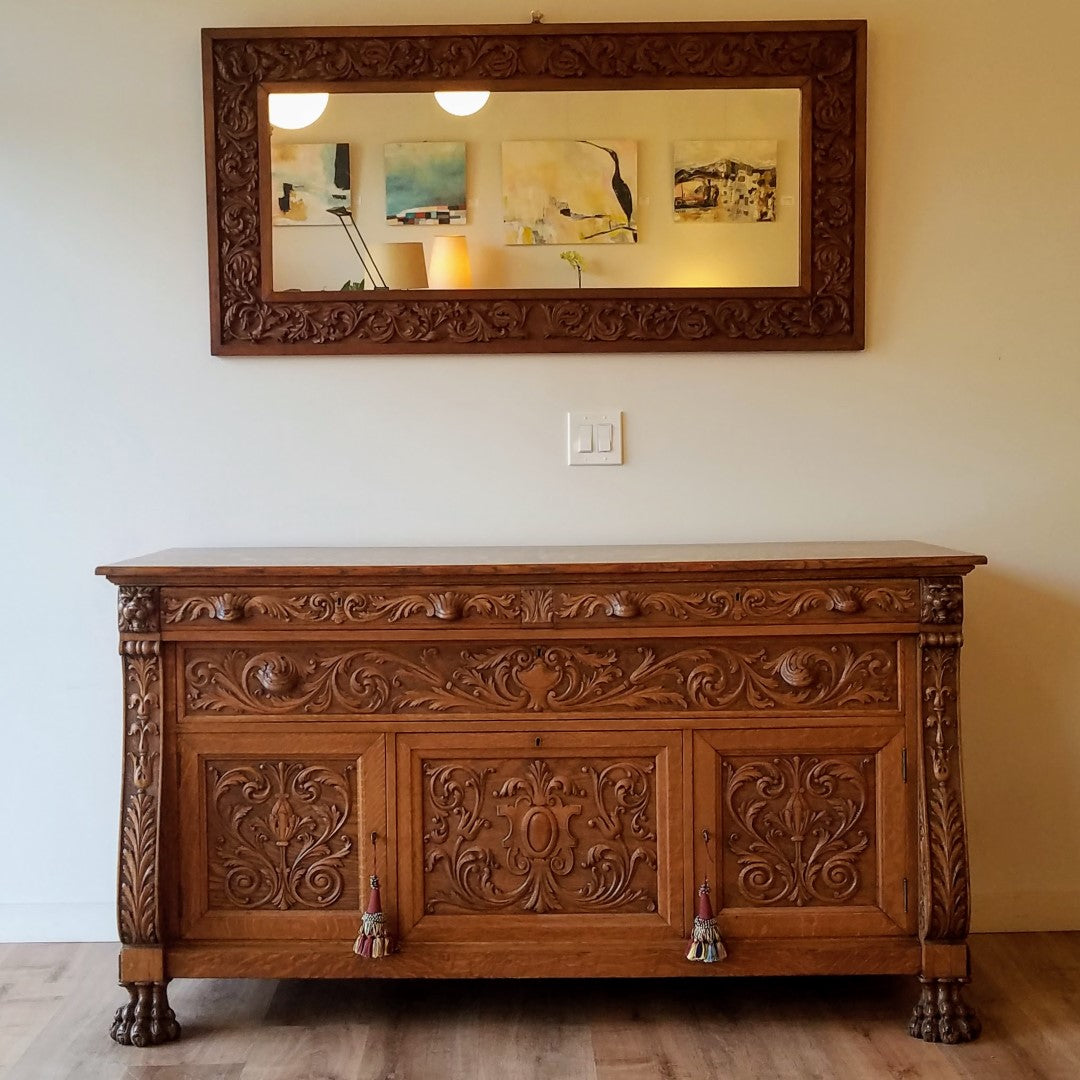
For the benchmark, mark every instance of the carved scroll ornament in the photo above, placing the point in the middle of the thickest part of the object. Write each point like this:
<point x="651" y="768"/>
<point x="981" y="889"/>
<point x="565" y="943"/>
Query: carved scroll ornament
<point x="576" y="836"/>
<point x="244" y="320"/>
<point x="284" y="831"/>
<point x="798" y="828"/>
<point x="549" y="678"/>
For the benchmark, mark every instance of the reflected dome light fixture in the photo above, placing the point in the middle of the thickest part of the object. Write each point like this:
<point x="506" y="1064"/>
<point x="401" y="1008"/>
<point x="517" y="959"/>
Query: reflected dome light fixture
<point x="295" y="111"/>
<point x="462" y="102"/>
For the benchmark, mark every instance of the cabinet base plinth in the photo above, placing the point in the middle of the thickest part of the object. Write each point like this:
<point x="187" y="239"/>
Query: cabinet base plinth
<point x="942" y="1015"/>
<point x="146" y="1019"/>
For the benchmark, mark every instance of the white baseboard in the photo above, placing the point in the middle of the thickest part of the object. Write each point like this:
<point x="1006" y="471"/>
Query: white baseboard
<point x="994" y="913"/>
<point x="58" y="922"/>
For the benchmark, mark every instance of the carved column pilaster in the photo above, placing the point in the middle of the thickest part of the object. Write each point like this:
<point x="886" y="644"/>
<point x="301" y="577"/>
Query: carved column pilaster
<point x="944" y="904"/>
<point x="147" y="1019"/>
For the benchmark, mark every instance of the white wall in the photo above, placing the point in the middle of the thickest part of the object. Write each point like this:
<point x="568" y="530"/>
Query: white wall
<point x="121" y="434"/>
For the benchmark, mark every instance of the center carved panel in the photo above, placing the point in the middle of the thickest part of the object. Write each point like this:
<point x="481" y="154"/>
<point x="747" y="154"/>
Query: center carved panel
<point x="560" y="678"/>
<point x="281" y="835"/>
<point x="799" y="831"/>
<point x="539" y="835"/>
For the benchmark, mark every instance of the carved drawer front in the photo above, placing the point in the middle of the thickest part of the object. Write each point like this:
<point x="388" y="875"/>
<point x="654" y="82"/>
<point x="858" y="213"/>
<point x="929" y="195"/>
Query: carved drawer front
<point x="472" y="606"/>
<point x="659" y="677"/>
<point x="534" y="836"/>
<point x="808" y="831"/>
<point x="275" y="833"/>
<point x="741" y="604"/>
<point x="436" y="606"/>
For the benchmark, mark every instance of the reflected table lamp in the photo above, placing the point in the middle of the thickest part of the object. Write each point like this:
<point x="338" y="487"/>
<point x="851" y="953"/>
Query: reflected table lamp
<point x="371" y="270"/>
<point x="403" y="264"/>
<point x="449" y="267"/>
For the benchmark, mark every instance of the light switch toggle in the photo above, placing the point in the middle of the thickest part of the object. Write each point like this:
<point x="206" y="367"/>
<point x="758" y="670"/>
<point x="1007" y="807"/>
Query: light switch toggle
<point x="594" y="437"/>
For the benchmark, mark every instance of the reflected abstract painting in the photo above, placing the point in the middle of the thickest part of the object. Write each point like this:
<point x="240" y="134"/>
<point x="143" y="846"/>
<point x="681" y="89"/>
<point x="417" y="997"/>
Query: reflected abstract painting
<point x="307" y="180"/>
<point x="732" y="180"/>
<point x="569" y="191"/>
<point x="425" y="183"/>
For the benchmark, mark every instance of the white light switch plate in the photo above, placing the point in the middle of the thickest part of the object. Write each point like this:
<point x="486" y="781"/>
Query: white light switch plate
<point x="585" y="434"/>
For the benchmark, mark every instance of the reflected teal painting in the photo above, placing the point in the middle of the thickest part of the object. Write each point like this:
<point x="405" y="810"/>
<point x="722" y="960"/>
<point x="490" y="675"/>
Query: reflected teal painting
<point x="425" y="183"/>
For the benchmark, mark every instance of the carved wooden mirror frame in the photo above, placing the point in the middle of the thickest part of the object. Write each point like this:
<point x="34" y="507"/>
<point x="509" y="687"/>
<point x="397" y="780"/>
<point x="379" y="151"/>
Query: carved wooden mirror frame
<point x="826" y="60"/>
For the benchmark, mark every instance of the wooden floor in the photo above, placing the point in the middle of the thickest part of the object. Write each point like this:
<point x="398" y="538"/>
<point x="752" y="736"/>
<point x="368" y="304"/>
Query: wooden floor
<point x="56" y="1002"/>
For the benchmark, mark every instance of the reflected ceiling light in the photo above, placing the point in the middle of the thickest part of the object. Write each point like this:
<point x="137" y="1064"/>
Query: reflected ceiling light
<point x="296" y="110"/>
<point x="462" y="102"/>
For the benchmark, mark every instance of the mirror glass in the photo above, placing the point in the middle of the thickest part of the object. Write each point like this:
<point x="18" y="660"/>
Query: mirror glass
<point x="710" y="177"/>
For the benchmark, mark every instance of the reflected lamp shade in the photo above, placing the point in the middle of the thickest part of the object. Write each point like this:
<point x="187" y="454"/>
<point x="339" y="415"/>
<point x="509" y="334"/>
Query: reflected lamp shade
<point x="294" y="111"/>
<point x="449" y="265"/>
<point x="403" y="265"/>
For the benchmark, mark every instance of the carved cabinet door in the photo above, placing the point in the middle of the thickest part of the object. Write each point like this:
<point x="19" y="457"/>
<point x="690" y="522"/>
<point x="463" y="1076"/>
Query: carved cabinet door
<point x="275" y="832"/>
<point x="808" y="831"/>
<point x="540" y="837"/>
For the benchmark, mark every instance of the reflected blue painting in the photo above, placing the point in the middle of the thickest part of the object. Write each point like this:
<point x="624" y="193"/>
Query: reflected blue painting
<point x="425" y="183"/>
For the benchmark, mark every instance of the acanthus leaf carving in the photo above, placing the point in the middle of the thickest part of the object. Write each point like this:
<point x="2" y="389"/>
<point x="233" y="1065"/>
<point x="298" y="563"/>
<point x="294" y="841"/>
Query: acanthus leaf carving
<point x="944" y="900"/>
<point x="545" y="678"/>
<point x="799" y="827"/>
<point x="577" y="836"/>
<point x="138" y="883"/>
<point x="283" y="834"/>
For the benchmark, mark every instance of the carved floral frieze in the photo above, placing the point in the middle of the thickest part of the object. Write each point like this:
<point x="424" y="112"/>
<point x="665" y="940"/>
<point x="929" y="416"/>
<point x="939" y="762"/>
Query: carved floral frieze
<point x="541" y="605"/>
<point x="280" y="835"/>
<point x="800" y="828"/>
<point x="558" y="678"/>
<point x="540" y="835"/>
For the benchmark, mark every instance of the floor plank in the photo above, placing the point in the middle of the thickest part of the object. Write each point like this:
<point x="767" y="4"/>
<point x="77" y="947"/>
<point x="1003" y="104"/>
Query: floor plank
<point x="56" y="1002"/>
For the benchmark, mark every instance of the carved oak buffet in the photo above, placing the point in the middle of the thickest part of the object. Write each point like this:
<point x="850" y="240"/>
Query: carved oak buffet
<point x="544" y="750"/>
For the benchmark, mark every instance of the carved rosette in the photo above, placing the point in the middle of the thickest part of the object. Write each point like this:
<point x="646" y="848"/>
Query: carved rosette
<point x="281" y="833"/>
<point x="553" y="678"/>
<point x="943" y="867"/>
<point x="800" y="829"/>
<point x="825" y="58"/>
<point x="138" y="883"/>
<point x="539" y="836"/>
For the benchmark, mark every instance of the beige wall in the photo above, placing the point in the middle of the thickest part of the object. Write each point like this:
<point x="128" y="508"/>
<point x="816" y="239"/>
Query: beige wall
<point x="121" y="433"/>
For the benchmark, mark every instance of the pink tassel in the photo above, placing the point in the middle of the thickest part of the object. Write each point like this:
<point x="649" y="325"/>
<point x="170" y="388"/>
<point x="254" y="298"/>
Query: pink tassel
<point x="374" y="940"/>
<point x="705" y="943"/>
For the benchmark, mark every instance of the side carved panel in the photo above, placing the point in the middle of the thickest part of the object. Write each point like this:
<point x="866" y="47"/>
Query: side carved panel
<point x="137" y="906"/>
<point x="943" y="866"/>
<point x="799" y="830"/>
<point x="553" y="678"/>
<point x="539" y="835"/>
<point x="281" y="835"/>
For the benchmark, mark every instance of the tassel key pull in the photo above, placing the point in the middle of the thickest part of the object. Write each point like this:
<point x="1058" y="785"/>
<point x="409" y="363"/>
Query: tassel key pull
<point x="374" y="940"/>
<point x="706" y="945"/>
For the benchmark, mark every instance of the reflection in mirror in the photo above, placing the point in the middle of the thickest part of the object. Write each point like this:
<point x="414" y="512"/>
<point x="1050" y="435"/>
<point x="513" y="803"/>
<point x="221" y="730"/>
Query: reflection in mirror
<point x="652" y="188"/>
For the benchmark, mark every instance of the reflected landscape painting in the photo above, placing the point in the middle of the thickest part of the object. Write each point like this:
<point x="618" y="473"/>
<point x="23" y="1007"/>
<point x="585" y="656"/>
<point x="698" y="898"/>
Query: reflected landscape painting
<point x="723" y="181"/>
<point x="569" y="191"/>
<point x="425" y="183"/>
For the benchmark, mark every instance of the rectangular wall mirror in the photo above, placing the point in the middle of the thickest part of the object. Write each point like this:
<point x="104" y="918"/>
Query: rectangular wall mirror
<point x="621" y="187"/>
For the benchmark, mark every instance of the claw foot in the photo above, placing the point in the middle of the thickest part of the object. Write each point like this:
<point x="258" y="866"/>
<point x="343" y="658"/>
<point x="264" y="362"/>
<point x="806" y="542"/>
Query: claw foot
<point x="942" y="1015"/>
<point x="146" y="1020"/>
